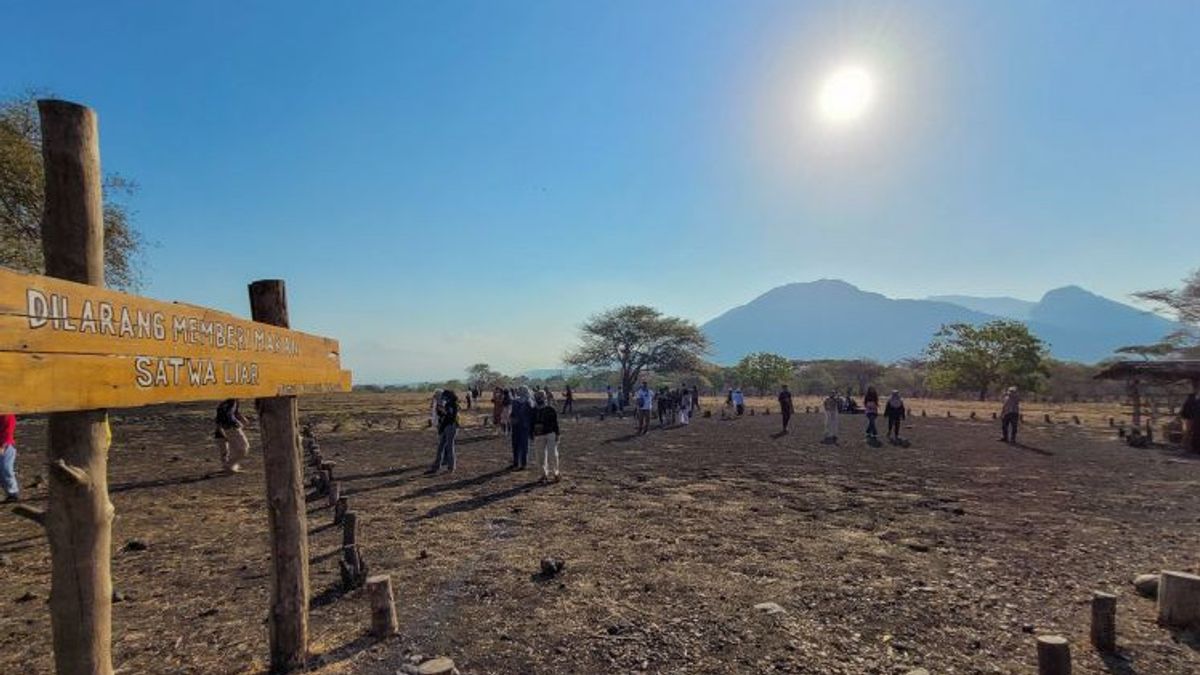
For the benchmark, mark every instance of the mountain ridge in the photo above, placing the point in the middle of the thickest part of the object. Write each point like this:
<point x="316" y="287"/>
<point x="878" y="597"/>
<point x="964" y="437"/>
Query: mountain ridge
<point x="836" y="319"/>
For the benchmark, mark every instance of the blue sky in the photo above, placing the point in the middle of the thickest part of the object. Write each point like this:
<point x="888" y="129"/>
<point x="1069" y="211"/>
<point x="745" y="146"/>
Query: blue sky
<point x="447" y="182"/>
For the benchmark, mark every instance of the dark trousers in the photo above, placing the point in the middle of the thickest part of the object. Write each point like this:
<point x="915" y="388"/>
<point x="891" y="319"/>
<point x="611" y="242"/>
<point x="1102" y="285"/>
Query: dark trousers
<point x="520" y="445"/>
<point x="445" y="453"/>
<point x="871" y="430"/>
<point x="740" y="409"/>
<point x="894" y="426"/>
<point x="787" y="417"/>
<point x="1008" y="427"/>
<point x="567" y="406"/>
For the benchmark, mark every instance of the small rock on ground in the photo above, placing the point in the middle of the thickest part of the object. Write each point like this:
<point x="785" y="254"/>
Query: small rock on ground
<point x="439" y="666"/>
<point x="769" y="608"/>
<point x="552" y="566"/>
<point x="1146" y="585"/>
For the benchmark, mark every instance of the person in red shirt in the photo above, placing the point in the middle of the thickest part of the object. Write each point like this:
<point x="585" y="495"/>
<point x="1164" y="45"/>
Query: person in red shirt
<point x="8" y="457"/>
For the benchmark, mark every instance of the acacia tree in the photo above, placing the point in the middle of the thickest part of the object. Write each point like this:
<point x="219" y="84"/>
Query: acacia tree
<point x="481" y="375"/>
<point x="21" y="186"/>
<point x="1184" y="303"/>
<point x="965" y="356"/>
<point x="636" y="339"/>
<point x="864" y="372"/>
<point x="763" y="370"/>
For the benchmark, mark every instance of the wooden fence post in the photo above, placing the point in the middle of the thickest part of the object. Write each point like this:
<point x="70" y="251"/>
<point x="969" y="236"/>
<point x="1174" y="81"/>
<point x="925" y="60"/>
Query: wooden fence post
<point x="383" y="606"/>
<point x="1104" y="621"/>
<point x="78" y="518"/>
<point x="1054" y="655"/>
<point x="283" y="465"/>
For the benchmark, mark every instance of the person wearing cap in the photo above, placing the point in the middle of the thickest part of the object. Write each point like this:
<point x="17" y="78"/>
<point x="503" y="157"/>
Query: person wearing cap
<point x="545" y="427"/>
<point x="1010" y="415"/>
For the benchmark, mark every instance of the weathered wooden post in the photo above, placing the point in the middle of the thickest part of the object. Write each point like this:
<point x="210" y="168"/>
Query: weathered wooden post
<point x="1179" y="599"/>
<point x="335" y="493"/>
<point x="78" y="517"/>
<point x="340" y="509"/>
<point x="1054" y="655"/>
<point x="1104" y="621"/>
<point x="383" y="606"/>
<point x="283" y="466"/>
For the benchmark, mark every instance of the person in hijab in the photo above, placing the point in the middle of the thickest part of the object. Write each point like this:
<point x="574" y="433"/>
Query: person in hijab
<point x="545" y="427"/>
<point x="685" y="406"/>
<point x="832" y="406"/>
<point x="520" y="422"/>
<point x="447" y="426"/>
<point x="1010" y="415"/>
<point x="894" y="412"/>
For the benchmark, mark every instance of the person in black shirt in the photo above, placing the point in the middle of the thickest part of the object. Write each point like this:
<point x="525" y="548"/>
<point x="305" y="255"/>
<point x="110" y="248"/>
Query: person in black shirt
<point x="447" y="414"/>
<point x="568" y="400"/>
<point x="785" y="407"/>
<point x="545" y="427"/>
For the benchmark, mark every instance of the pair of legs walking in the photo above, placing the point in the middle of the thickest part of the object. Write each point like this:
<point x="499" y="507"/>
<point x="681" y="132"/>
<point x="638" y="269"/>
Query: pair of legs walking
<point x="546" y="447"/>
<point x="872" y="432"/>
<point x="232" y="446"/>
<point x="1008" y="427"/>
<point x="520" y="446"/>
<point x="445" y="452"/>
<point x="894" y="427"/>
<point x="8" y="472"/>
<point x="831" y="425"/>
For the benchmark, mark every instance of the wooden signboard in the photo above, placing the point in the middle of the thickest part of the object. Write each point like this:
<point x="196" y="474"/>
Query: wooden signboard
<point x="68" y="346"/>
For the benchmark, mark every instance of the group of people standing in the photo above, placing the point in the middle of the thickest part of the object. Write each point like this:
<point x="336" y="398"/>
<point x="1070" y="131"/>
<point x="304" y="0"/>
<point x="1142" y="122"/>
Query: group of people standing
<point x="528" y="417"/>
<point x="894" y="412"/>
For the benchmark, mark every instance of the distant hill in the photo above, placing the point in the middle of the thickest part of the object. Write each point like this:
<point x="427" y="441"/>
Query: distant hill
<point x="834" y="319"/>
<point x="1009" y="308"/>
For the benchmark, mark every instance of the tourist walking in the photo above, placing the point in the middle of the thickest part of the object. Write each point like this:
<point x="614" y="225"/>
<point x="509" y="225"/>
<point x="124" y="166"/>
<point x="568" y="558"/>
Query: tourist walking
<point x="230" y="436"/>
<point x="685" y="406"/>
<point x="645" y="404"/>
<point x="895" y="413"/>
<point x="871" y="408"/>
<point x="499" y="421"/>
<point x="785" y="406"/>
<point x="433" y="408"/>
<point x="8" y="457"/>
<point x="568" y="400"/>
<point x="520" y="423"/>
<point x="831" y="407"/>
<point x="695" y="400"/>
<point x="1010" y="415"/>
<point x="739" y="401"/>
<point x="447" y="426"/>
<point x="611" y="400"/>
<point x="545" y="428"/>
<point x="663" y="404"/>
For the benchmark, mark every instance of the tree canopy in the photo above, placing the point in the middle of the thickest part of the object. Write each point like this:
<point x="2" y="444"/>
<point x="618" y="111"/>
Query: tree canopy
<point x="966" y="356"/>
<point x="635" y="339"/>
<point x="21" y="196"/>
<point x="1184" y="303"/>
<point x="764" y="371"/>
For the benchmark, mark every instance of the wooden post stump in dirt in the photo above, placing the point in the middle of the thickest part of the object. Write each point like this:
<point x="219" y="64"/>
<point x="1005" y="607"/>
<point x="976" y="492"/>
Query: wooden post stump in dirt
<point x="288" y="523"/>
<point x="1046" y="418"/>
<point x="972" y="414"/>
<point x="1054" y="655"/>
<point x="993" y="414"/>
<point x="1111" y="421"/>
<point x="78" y="517"/>
<point x="335" y="493"/>
<point x="1179" y="600"/>
<point x="383" y="606"/>
<point x="1104" y="621"/>
<point x="340" y="509"/>
<point x="349" y="528"/>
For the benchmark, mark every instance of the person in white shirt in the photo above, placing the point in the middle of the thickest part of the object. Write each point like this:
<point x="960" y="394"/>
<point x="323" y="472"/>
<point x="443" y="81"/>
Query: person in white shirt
<point x="685" y="406"/>
<point x="645" y="404"/>
<point x="739" y="401"/>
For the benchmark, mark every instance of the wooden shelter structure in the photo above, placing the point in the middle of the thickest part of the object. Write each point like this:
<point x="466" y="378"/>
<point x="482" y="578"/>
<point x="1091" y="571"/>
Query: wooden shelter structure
<point x="1152" y="380"/>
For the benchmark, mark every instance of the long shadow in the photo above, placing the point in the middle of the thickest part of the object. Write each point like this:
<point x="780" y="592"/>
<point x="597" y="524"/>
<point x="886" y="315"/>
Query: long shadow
<point x="1187" y="637"/>
<point x="476" y="439"/>
<point x="622" y="439"/>
<point x="456" y="485"/>
<point x="1030" y="448"/>
<point x="327" y="596"/>
<point x="347" y="651"/>
<point x="378" y="474"/>
<point x="22" y="540"/>
<point x="1118" y="664"/>
<point x="347" y="492"/>
<point x="474" y="503"/>
<point x="779" y="434"/>
<point x="164" y="482"/>
<point x="322" y="557"/>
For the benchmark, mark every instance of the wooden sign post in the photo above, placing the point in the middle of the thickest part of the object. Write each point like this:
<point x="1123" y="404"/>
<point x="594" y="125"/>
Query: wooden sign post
<point x="72" y="348"/>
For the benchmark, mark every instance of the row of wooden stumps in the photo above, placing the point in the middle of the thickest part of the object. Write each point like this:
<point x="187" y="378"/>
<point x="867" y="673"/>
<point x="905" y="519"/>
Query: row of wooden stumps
<point x="1178" y="607"/>
<point x="352" y="566"/>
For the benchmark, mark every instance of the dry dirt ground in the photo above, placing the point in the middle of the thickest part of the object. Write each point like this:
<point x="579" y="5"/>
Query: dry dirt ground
<point x="950" y="555"/>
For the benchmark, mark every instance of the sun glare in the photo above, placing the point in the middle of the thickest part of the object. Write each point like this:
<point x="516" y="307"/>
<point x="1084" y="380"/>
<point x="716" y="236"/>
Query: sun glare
<point x="846" y="95"/>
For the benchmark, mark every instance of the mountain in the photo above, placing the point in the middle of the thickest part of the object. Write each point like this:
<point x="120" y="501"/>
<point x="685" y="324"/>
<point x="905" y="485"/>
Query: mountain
<point x="831" y="319"/>
<point x="1008" y="308"/>
<point x="834" y="319"/>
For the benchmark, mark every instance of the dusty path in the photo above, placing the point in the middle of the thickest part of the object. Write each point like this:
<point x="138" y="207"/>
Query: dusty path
<point x="950" y="555"/>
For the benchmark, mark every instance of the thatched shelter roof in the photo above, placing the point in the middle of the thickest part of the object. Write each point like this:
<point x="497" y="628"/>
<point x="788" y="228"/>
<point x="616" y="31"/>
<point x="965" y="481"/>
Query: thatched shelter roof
<point x="1152" y="371"/>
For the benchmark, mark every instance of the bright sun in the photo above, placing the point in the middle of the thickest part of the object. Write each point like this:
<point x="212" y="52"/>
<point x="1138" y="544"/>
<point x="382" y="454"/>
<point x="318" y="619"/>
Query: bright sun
<point x="846" y="94"/>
